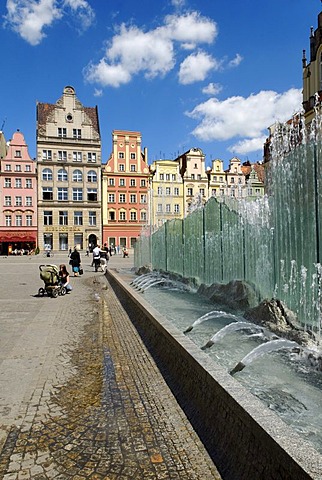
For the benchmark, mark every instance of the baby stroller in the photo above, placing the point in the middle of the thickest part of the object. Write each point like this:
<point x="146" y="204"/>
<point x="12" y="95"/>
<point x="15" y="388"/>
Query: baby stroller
<point x="50" y="275"/>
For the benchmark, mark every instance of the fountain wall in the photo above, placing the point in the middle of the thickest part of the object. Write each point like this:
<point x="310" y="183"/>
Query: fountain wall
<point x="273" y="243"/>
<point x="245" y="439"/>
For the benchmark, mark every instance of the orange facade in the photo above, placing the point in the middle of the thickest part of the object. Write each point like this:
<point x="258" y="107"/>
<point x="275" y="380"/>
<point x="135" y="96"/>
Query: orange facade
<point x="125" y="178"/>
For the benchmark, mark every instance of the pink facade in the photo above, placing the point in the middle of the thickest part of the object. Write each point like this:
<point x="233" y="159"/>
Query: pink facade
<point x="18" y="201"/>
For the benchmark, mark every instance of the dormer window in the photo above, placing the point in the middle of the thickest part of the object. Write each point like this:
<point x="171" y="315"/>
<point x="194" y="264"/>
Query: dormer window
<point x="18" y="153"/>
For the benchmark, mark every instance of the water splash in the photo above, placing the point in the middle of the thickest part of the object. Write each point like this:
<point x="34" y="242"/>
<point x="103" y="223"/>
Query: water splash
<point x="209" y="316"/>
<point x="263" y="349"/>
<point x="152" y="284"/>
<point x="231" y="327"/>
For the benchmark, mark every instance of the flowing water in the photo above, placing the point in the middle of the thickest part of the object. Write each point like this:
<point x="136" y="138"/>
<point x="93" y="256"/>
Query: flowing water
<point x="281" y="377"/>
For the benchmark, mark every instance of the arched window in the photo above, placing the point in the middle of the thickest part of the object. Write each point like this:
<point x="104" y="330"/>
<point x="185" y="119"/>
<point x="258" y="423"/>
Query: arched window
<point x="77" y="176"/>
<point x="91" y="176"/>
<point x="47" y="174"/>
<point x="62" y="175"/>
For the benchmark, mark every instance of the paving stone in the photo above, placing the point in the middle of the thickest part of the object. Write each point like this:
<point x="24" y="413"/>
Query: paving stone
<point x="85" y="400"/>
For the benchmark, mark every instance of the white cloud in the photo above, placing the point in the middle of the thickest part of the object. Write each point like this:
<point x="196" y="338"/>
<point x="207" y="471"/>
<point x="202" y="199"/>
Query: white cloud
<point x="235" y="61"/>
<point x="212" y="89"/>
<point x="84" y="14"/>
<point x="245" y="118"/>
<point x="153" y="52"/>
<point x="190" y="28"/>
<point x="29" y="18"/>
<point x="196" y="67"/>
<point x="178" y="3"/>
<point x="248" y="145"/>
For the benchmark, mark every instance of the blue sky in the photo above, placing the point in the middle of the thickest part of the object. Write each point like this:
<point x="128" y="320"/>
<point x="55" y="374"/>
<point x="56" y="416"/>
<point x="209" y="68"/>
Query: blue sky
<point x="185" y="73"/>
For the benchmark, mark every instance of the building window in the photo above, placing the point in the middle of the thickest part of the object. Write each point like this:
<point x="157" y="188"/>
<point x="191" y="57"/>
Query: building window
<point x="133" y="216"/>
<point x="196" y="166"/>
<point x="8" y="168"/>
<point x="173" y="177"/>
<point x="159" y="208"/>
<point x="159" y="190"/>
<point x="111" y="215"/>
<point x="18" y="220"/>
<point x="111" y="198"/>
<point x="92" y="194"/>
<point x="62" y="193"/>
<point x="143" y="216"/>
<point x="18" y="201"/>
<point x="47" y="174"/>
<point x="121" y="167"/>
<point x="91" y="157"/>
<point x="28" y="168"/>
<point x="121" y="155"/>
<point x="192" y="176"/>
<point x="132" y="168"/>
<point x="213" y="192"/>
<point x="8" y="220"/>
<point x="202" y="191"/>
<point x="62" y="132"/>
<point x="176" y="208"/>
<point x="143" y="183"/>
<point x="7" y="201"/>
<point x="18" y="168"/>
<point x="132" y="182"/>
<point x="46" y="154"/>
<point x="29" y="220"/>
<point x="92" y="218"/>
<point x="143" y="199"/>
<point x="190" y="192"/>
<point x="122" y="182"/>
<point x="111" y="182"/>
<point x="162" y="176"/>
<point x="232" y="180"/>
<point x="122" y="198"/>
<point x="77" y="156"/>
<point x="168" y="191"/>
<point x="78" y="218"/>
<point x="28" y="201"/>
<point x="168" y="208"/>
<point x="47" y="193"/>
<point x="92" y="176"/>
<point x="28" y="183"/>
<point x="77" y="194"/>
<point x="176" y="191"/>
<point x="48" y="217"/>
<point x="132" y="198"/>
<point x="18" y="153"/>
<point x="7" y="182"/>
<point x="63" y="241"/>
<point x="18" y="183"/>
<point x="62" y="155"/>
<point x="62" y="175"/>
<point x="167" y="177"/>
<point x="122" y="215"/>
<point x="77" y="133"/>
<point x="63" y="217"/>
<point x="133" y="156"/>
<point x="77" y="176"/>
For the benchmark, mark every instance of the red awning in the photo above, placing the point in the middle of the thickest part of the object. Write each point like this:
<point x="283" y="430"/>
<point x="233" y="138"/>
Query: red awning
<point x="20" y="237"/>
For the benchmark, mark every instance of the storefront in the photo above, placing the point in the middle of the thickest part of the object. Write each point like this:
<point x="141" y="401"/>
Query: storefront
<point x="17" y="242"/>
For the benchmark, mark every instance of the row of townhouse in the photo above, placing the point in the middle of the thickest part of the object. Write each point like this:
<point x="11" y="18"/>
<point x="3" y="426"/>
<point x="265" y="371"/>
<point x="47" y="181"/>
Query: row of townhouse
<point x="67" y="197"/>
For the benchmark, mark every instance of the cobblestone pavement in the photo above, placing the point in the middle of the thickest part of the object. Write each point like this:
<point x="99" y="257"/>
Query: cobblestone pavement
<point x="80" y="396"/>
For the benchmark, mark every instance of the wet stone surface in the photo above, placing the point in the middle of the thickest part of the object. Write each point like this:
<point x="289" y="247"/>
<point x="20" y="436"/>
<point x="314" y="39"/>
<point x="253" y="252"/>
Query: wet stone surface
<point x="102" y="411"/>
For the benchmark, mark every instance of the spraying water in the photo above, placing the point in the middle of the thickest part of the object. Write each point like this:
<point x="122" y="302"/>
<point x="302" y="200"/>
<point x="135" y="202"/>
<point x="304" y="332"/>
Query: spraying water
<point x="231" y="327"/>
<point x="261" y="350"/>
<point x="209" y="316"/>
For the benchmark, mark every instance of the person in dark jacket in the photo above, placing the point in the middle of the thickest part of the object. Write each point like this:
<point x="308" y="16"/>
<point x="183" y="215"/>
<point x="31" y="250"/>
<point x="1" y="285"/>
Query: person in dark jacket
<point x="75" y="261"/>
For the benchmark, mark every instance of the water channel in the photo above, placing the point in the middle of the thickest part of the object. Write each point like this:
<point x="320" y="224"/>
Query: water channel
<point x="277" y="373"/>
